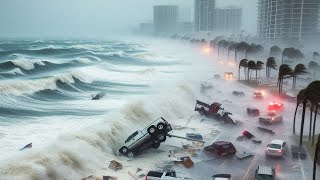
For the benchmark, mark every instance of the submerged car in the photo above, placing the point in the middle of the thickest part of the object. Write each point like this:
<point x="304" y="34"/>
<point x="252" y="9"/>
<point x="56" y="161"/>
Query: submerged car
<point x="195" y="136"/>
<point x="217" y="76"/>
<point x="221" y="148"/>
<point x="265" y="173"/>
<point x="271" y="119"/>
<point x="275" y="106"/>
<point x="252" y="111"/>
<point x="258" y="95"/>
<point x="222" y="177"/>
<point x="238" y="93"/>
<point x="276" y="148"/>
<point x="228" y="75"/>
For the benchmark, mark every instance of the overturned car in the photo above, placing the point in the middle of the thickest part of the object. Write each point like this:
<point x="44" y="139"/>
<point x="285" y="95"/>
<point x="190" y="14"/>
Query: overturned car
<point x="215" y="110"/>
<point x="149" y="137"/>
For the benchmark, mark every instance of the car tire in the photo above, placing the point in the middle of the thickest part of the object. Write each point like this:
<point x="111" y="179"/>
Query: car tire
<point x="202" y="111"/>
<point x="162" y="137"/>
<point x="156" y="145"/>
<point x="124" y="150"/>
<point x="152" y="130"/>
<point x="161" y="127"/>
<point x="130" y="154"/>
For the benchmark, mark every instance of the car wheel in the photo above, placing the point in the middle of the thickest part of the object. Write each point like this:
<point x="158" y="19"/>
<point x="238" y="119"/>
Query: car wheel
<point x="162" y="137"/>
<point x="161" y="126"/>
<point x="151" y="130"/>
<point x="156" y="145"/>
<point x="130" y="154"/>
<point x="123" y="150"/>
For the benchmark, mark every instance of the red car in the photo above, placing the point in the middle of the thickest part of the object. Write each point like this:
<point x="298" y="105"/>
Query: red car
<point x="275" y="106"/>
<point x="221" y="148"/>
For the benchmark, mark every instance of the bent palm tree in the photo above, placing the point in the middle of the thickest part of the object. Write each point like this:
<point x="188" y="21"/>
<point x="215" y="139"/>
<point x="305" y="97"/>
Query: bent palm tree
<point x="298" y="70"/>
<point x="251" y="66"/>
<point x="300" y="98"/>
<point x="285" y="71"/>
<point x="243" y="63"/>
<point x="271" y="64"/>
<point x="259" y="67"/>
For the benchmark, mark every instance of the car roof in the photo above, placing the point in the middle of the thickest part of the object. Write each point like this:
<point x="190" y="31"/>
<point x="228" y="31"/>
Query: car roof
<point x="219" y="143"/>
<point x="265" y="170"/>
<point x="277" y="141"/>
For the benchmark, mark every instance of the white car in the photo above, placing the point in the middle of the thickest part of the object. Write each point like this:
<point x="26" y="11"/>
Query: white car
<point x="271" y="119"/>
<point x="151" y="136"/>
<point x="276" y="148"/>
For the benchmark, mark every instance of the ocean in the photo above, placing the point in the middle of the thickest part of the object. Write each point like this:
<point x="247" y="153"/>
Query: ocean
<point x="46" y="89"/>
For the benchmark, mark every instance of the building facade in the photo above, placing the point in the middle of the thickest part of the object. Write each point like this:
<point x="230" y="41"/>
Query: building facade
<point x="204" y="15"/>
<point x="165" y="19"/>
<point x="294" y="20"/>
<point x="146" y="28"/>
<point x="227" y="20"/>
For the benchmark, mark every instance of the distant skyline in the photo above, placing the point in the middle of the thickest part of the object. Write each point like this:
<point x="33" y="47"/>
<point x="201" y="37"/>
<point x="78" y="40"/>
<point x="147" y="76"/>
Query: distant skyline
<point x="92" y="18"/>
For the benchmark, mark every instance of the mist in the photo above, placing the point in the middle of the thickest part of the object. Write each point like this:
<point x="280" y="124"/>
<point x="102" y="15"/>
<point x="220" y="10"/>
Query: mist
<point x="94" y="18"/>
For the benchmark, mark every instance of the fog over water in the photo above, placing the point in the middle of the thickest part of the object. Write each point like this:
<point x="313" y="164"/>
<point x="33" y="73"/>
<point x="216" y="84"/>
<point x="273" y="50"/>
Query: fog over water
<point x="94" y="18"/>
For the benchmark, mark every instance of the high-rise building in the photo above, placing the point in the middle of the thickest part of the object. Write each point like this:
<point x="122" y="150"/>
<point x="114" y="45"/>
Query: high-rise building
<point x="146" y="28"/>
<point x="165" y="19"/>
<point x="204" y="15"/>
<point x="227" y="20"/>
<point x="288" y="19"/>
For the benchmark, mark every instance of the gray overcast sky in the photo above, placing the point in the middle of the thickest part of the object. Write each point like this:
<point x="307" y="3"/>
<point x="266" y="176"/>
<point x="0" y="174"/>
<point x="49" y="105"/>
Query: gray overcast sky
<point x="47" y="18"/>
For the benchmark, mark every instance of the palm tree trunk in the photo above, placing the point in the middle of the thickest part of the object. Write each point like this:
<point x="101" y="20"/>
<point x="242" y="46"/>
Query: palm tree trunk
<point x="314" y="124"/>
<point x="256" y="77"/>
<point x="294" y="119"/>
<point x="302" y="120"/>
<point x="292" y="82"/>
<point x="228" y="54"/>
<point x="235" y="54"/>
<point x="315" y="159"/>
<point x="310" y="125"/>
<point x="239" y="73"/>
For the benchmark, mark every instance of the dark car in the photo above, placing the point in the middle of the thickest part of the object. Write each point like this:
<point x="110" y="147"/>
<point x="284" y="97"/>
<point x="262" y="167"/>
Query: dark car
<point x="195" y="136"/>
<point x="265" y="173"/>
<point x="221" y="148"/>
<point x="238" y="93"/>
<point x="222" y="177"/>
<point x="251" y="111"/>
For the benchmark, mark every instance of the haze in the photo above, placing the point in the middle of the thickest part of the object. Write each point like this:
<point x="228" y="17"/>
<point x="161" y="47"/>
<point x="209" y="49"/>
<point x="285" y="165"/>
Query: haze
<point x="92" y="18"/>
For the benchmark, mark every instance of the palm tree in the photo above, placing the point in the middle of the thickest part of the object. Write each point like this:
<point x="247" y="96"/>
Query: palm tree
<point x="300" y="97"/>
<point x="313" y="89"/>
<point x="243" y="63"/>
<point x="242" y="46"/>
<point x="251" y="66"/>
<point x="316" y="159"/>
<point x="221" y="44"/>
<point x="298" y="70"/>
<point x="232" y="47"/>
<point x="311" y="95"/>
<point x="275" y="51"/>
<point x="292" y="53"/>
<point x="285" y="71"/>
<point x="259" y="67"/>
<point x="271" y="64"/>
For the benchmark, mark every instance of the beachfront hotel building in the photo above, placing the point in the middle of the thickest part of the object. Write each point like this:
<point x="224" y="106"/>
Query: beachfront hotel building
<point x="227" y="20"/>
<point x="293" y="20"/>
<point x="204" y="15"/>
<point x="165" y="19"/>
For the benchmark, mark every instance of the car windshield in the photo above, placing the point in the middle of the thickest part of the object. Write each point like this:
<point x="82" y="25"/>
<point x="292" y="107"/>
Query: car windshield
<point x="274" y="146"/>
<point x="264" y="177"/>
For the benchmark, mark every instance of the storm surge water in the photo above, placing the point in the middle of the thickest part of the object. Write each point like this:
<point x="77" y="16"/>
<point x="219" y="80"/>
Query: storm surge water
<point x="46" y="89"/>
